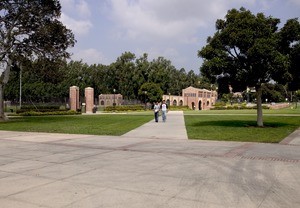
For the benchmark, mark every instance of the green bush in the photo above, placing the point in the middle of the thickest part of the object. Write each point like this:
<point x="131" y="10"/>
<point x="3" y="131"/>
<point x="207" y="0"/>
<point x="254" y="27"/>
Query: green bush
<point x="49" y="107"/>
<point x="219" y="108"/>
<point x="125" y="108"/>
<point x="40" y="108"/>
<point x="238" y="107"/>
<point x="220" y="104"/>
<point x="34" y="113"/>
<point x="183" y="108"/>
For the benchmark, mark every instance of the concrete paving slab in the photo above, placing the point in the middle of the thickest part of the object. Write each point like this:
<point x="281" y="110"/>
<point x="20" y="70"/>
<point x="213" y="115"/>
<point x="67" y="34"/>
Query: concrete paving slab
<point x="59" y="157"/>
<point x="58" y="171"/>
<point x="222" y="193"/>
<point x="38" y="137"/>
<point x="13" y="203"/>
<point x="56" y="194"/>
<point x="5" y="150"/>
<point x="4" y="174"/>
<point x="107" y="199"/>
<point x="28" y="154"/>
<point x="282" y="152"/>
<point x="7" y="160"/>
<point x="111" y="142"/>
<point x="104" y="178"/>
<point x="23" y="165"/>
<point x="281" y="195"/>
<point x="17" y="183"/>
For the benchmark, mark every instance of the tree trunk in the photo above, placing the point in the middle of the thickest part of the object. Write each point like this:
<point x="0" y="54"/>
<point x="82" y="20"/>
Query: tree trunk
<point x="259" y="105"/>
<point x="3" y="81"/>
<point x="2" y="115"/>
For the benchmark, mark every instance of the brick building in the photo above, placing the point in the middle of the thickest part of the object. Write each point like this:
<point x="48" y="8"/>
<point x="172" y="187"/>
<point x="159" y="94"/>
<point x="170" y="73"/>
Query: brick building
<point x="110" y="99"/>
<point x="194" y="98"/>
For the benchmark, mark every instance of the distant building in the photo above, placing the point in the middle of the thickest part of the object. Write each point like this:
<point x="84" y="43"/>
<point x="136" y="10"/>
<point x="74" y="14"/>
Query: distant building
<point x="194" y="98"/>
<point x="110" y="99"/>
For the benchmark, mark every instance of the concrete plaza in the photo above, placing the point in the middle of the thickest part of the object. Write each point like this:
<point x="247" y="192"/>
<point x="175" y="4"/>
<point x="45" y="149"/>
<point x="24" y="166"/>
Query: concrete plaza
<point x="152" y="166"/>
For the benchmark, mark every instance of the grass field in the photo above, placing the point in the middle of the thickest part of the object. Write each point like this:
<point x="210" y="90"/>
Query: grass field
<point x="252" y="111"/>
<point x="226" y="125"/>
<point x="240" y="125"/>
<point x="108" y="124"/>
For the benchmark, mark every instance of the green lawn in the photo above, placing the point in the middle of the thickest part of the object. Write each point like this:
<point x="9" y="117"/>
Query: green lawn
<point x="241" y="127"/>
<point x="226" y="125"/>
<point x="108" y="124"/>
<point x="252" y="111"/>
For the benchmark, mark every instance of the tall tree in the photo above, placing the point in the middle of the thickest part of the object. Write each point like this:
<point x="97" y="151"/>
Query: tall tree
<point x="245" y="49"/>
<point x="159" y="73"/>
<point x="289" y="44"/>
<point x="28" y="30"/>
<point x="154" y="92"/>
<point x="124" y="69"/>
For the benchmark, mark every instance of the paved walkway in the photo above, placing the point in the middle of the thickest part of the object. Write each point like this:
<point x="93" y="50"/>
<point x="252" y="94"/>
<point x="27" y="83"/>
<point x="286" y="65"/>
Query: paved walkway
<point x="173" y="128"/>
<point x="145" y="170"/>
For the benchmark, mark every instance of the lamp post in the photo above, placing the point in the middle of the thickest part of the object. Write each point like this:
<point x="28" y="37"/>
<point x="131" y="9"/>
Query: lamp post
<point x="114" y="104"/>
<point x="20" y="99"/>
<point x="187" y="96"/>
<point x="145" y="93"/>
<point x="169" y="101"/>
<point x="248" y="91"/>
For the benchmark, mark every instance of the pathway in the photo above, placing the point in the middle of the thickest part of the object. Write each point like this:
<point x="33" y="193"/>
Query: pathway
<point x="173" y="128"/>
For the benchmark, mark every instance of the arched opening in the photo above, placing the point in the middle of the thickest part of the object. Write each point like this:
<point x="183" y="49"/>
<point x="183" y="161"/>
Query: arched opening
<point x="207" y="103"/>
<point x="200" y="105"/>
<point x="102" y="102"/>
<point x="193" y="106"/>
<point x="168" y="102"/>
<point x="174" y="102"/>
<point x="180" y="103"/>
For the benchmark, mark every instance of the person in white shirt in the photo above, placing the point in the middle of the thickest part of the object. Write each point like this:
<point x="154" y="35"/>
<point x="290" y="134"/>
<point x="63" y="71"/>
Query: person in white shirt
<point x="164" y="110"/>
<point x="156" y="111"/>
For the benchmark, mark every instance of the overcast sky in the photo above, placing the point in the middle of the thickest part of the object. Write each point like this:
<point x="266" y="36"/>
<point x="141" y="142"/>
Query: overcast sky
<point x="174" y="29"/>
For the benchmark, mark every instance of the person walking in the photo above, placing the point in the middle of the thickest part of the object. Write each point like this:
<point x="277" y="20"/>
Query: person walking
<point x="156" y="111"/>
<point x="164" y="110"/>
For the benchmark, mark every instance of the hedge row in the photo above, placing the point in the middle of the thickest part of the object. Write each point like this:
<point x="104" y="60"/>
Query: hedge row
<point x="39" y="110"/>
<point x="34" y="113"/>
<point x="183" y="108"/>
<point x="237" y="107"/>
<point x="125" y="108"/>
<point x="40" y="107"/>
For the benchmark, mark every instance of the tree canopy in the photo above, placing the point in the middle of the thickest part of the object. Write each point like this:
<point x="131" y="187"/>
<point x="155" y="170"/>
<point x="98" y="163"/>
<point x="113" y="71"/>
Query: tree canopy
<point x="249" y="50"/>
<point x="45" y="82"/>
<point x="30" y="30"/>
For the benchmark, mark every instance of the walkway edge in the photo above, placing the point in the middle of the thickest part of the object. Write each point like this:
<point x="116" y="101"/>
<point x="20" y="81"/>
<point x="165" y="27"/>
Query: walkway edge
<point x="293" y="138"/>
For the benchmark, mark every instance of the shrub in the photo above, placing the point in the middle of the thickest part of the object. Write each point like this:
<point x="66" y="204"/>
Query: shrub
<point x="238" y="107"/>
<point x="125" y="108"/>
<point x="220" y="104"/>
<point x="40" y="108"/>
<point x="34" y="113"/>
<point x="31" y="107"/>
<point x="183" y="108"/>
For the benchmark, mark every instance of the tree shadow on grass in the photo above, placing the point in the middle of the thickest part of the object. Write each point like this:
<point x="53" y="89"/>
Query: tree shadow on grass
<point x="239" y="123"/>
